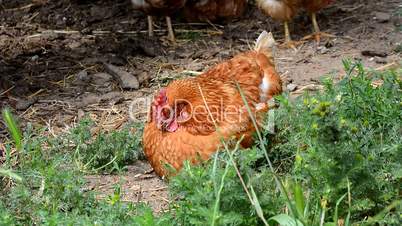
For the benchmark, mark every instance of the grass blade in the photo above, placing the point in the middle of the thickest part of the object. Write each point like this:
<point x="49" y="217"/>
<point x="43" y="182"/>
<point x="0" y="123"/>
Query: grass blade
<point x="10" y="174"/>
<point x="336" y="207"/>
<point x="225" y="145"/>
<point x="257" y="206"/>
<point x="278" y="182"/>
<point x="284" y="220"/>
<point x="299" y="199"/>
<point x="13" y="128"/>
<point x="218" y="196"/>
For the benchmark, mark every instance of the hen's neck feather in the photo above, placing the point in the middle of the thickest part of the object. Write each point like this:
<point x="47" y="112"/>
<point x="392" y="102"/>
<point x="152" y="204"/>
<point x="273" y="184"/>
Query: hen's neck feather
<point x="185" y="89"/>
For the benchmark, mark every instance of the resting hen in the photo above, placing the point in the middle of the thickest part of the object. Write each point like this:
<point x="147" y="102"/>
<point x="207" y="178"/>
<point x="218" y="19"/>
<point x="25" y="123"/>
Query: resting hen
<point x="285" y="10"/>
<point x="213" y="10"/>
<point x="183" y="115"/>
<point x="158" y="8"/>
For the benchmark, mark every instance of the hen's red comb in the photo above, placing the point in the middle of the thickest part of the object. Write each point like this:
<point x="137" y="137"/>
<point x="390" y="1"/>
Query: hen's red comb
<point x="162" y="91"/>
<point x="161" y="97"/>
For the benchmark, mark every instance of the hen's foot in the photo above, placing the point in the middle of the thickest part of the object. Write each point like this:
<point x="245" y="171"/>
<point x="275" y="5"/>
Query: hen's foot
<point x="290" y="44"/>
<point x="317" y="36"/>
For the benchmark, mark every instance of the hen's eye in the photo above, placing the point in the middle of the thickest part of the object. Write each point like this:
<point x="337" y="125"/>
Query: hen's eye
<point x="166" y="112"/>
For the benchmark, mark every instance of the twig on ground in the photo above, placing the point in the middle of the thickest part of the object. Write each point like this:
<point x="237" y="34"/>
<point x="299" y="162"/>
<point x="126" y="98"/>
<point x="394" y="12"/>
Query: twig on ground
<point x="389" y="66"/>
<point x="155" y="189"/>
<point x="101" y="32"/>
<point x="22" y="7"/>
<point x="6" y="91"/>
<point x="309" y="87"/>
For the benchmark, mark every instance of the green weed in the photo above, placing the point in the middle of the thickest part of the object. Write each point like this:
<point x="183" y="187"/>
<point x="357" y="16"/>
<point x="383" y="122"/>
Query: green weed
<point x="107" y="152"/>
<point x="343" y="159"/>
<point x="47" y="188"/>
<point x="335" y="160"/>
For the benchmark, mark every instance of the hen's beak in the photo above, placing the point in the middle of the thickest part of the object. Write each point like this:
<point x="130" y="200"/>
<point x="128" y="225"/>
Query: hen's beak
<point x="163" y="126"/>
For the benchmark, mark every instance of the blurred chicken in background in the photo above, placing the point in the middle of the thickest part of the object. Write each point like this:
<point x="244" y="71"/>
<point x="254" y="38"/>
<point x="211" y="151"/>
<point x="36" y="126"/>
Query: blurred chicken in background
<point x="312" y="7"/>
<point x="285" y="10"/>
<point x="214" y="10"/>
<point x="159" y="8"/>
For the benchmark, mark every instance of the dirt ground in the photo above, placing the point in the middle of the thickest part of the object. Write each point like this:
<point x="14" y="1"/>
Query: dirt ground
<point x="53" y="56"/>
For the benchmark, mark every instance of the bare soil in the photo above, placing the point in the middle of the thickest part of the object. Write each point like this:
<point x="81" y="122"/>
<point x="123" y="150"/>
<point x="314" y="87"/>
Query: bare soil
<point x="51" y="54"/>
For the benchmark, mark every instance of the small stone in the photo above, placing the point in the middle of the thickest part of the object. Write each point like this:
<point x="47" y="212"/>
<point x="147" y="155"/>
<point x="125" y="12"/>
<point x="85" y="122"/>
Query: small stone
<point x="23" y="104"/>
<point x="50" y="35"/>
<point x="80" y="114"/>
<point x="106" y="88"/>
<point x="35" y="58"/>
<point x="379" y="60"/>
<point x="89" y="99"/>
<point x="323" y="49"/>
<point x="101" y="78"/>
<point x="224" y="53"/>
<point x="291" y="87"/>
<point x="83" y="76"/>
<point x="374" y="53"/>
<point x="125" y="79"/>
<point x="74" y="45"/>
<point x="116" y="60"/>
<point x="382" y="17"/>
<point x="144" y="77"/>
<point x="114" y="97"/>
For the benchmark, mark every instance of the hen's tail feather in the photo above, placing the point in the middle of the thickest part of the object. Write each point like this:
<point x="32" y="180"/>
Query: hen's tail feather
<point x="265" y="42"/>
<point x="271" y="82"/>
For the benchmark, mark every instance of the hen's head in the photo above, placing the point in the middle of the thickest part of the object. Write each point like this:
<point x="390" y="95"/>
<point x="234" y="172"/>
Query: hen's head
<point x="168" y="112"/>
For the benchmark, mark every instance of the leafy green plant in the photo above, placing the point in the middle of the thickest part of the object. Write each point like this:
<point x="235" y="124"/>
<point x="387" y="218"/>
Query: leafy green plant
<point x="17" y="138"/>
<point x="348" y="132"/>
<point x="343" y="146"/>
<point x="48" y="188"/>
<point x="107" y="152"/>
<point x="198" y="188"/>
<point x="13" y="128"/>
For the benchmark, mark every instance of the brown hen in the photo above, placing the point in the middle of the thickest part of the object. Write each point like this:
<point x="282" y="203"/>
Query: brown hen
<point x="184" y="114"/>
<point x="214" y="10"/>
<point x="285" y="10"/>
<point x="159" y="8"/>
